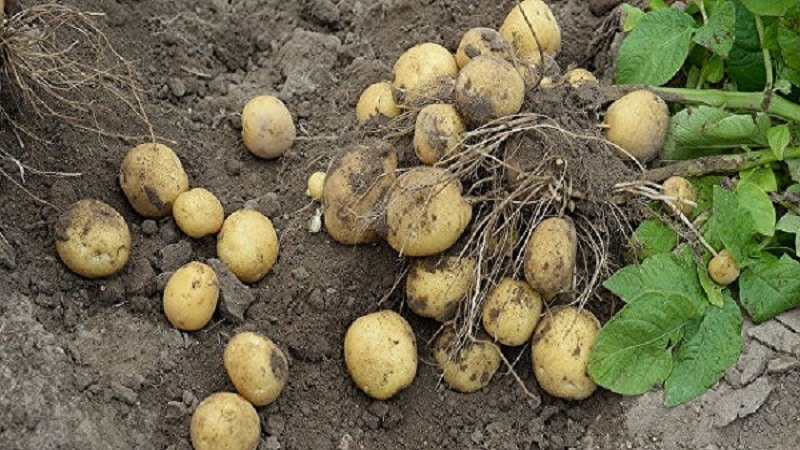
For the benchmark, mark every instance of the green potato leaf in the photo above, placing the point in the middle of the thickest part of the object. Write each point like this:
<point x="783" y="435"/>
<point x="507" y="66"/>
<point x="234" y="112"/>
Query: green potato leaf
<point x="652" y="237"/>
<point x="719" y="32"/>
<point x="779" y="137"/>
<point x="632" y="16"/>
<point x="770" y="287"/>
<point x="661" y="274"/>
<point x="769" y="7"/>
<point x="735" y="227"/>
<point x="704" y="130"/>
<point x="746" y="59"/>
<point x="755" y="200"/>
<point x="763" y="176"/>
<point x="713" y="290"/>
<point x="790" y="223"/>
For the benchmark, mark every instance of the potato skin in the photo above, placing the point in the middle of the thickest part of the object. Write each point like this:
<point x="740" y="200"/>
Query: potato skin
<point x="469" y="369"/>
<point x="680" y="188"/>
<point x="511" y="311"/>
<point x="560" y="351"/>
<point x="198" y="213"/>
<point x="256" y="366"/>
<point x="578" y="76"/>
<point x="516" y="31"/>
<point x="487" y="88"/>
<point x="92" y="239"/>
<point x="482" y="41"/>
<point x="420" y="66"/>
<point x="377" y="99"/>
<point x="380" y="352"/>
<point x="267" y="127"/>
<point x="437" y="132"/>
<point x="191" y="295"/>
<point x="550" y="255"/>
<point x="638" y="123"/>
<point x="435" y="286"/>
<point x="225" y="421"/>
<point x="248" y="244"/>
<point x="723" y="268"/>
<point x="316" y="183"/>
<point x="151" y="178"/>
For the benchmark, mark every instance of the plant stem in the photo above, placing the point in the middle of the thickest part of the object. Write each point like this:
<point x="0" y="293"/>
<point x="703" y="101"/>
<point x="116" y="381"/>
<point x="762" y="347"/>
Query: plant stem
<point x="718" y="164"/>
<point x="767" y="59"/>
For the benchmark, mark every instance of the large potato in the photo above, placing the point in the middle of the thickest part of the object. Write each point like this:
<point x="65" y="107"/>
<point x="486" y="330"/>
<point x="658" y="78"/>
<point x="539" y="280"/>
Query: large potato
<point x="92" y="239"/>
<point x="517" y="32"/>
<point x="511" y="311"/>
<point x="354" y="187"/>
<point x="248" y="244"/>
<point x="256" y="366"/>
<point x="420" y="67"/>
<point x="380" y="352"/>
<point x="267" y="127"/>
<point x="560" y="351"/>
<point x="191" y="295"/>
<point x="152" y="177"/>
<point x="550" y="255"/>
<point x="425" y="212"/>
<point x="436" y="285"/>
<point x="638" y="123"/>
<point x="198" y="213"/>
<point x="469" y="368"/>
<point x="487" y="88"/>
<point x="482" y="41"/>
<point x="225" y="421"/>
<point x="377" y="99"/>
<point x="437" y="132"/>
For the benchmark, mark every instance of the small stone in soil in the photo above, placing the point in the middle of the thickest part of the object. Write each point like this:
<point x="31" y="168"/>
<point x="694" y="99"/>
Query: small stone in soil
<point x="174" y="256"/>
<point x="234" y="296"/>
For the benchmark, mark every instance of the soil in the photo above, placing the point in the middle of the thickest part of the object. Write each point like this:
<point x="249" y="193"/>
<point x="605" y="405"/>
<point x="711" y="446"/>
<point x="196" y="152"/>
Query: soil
<point x="94" y="364"/>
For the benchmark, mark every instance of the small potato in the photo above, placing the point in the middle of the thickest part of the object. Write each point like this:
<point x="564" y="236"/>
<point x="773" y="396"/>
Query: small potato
<point x="316" y="182"/>
<point x="425" y="212"/>
<point x="198" y="213"/>
<point x="152" y="177"/>
<point x="578" y="76"/>
<point x="377" y="99"/>
<point x="511" y="312"/>
<point x="638" y="123"/>
<point x="225" y="421"/>
<point x="488" y="88"/>
<point x="723" y="268"/>
<point x="380" y="352"/>
<point x="436" y="285"/>
<point x="560" y="351"/>
<point x="267" y="127"/>
<point x="550" y="254"/>
<point x="248" y="245"/>
<point x="482" y="41"/>
<point x="517" y="32"/>
<point x="437" y="133"/>
<point x="92" y="239"/>
<point x="256" y="366"/>
<point x="684" y="193"/>
<point x="469" y="368"/>
<point x="422" y="66"/>
<point x="190" y="297"/>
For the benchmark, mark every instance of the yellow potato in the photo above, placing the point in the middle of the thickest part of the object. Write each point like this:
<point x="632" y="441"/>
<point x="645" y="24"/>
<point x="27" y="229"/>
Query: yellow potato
<point x="517" y="32"/>
<point x="511" y="311"/>
<point x="256" y="366"/>
<point x="377" y="99"/>
<point x="190" y="297"/>
<point x="248" y="245"/>
<point x="198" y="213"/>
<point x="152" y="177"/>
<point x="316" y="183"/>
<point x="723" y="268"/>
<point x="267" y="127"/>
<point x="578" y="76"/>
<point x="638" y="123"/>
<point x="437" y="132"/>
<point x="469" y="368"/>
<point x="421" y="67"/>
<point x="436" y="285"/>
<point x="683" y="190"/>
<point x="92" y="239"/>
<point x="482" y="41"/>
<point x="550" y="254"/>
<point x="560" y="351"/>
<point x="225" y="421"/>
<point x="380" y="352"/>
<point x="488" y="88"/>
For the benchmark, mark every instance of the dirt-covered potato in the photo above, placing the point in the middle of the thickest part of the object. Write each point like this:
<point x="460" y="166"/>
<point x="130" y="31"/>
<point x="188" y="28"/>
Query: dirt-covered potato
<point x="190" y="296"/>
<point x="723" y="268"/>
<point x="511" y="311"/>
<point x="377" y="99"/>
<point x="487" y="88"/>
<point x="684" y="193"/>
<point x="225" y="421"/>
<point x="638" y="123"/>
<point x="560" y="351"/>
<point x="315" y="185"/>
<point x="256" y="366"/>
<point x="267" y="127"/>
<point x="152" y="177"/>
<point x="578" y="76"/>
<point x="92" y="239"/>
<point x="380" y="352"/>
<point x="436" y="285"/>
<point x="248" y="244"/>
<point x="422" y="66"/>
<point x="354" y="188"/>
<point x="482" y="41"/>
<point x="437" y="132"/>
<point x="550" y="255"/>
<point x="469" y="368"/>
<point x="425" y="212"/>
<point x="198" y="213"/>
<point x="517" y="32"/>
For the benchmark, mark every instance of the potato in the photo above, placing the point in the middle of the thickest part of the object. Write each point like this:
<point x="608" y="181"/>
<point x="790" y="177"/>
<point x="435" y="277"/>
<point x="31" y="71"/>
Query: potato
<point x="487" y="88"/>
<point x="92" y="239"/>
<point x="354" y="188"/>
<point x="248" y="245"/>
<point x="550" y="253"/>
<point x="469" y="368"/>
<point x="560" y="351"/>
<point x="511" y="311"/>
<point x="425" y="212"/>
<point x="437" y="132"/>
<point x="190" y="297"/>
<point x="256" y="366"/>
<point x="517" y="32"/>
<point x="638" y="123"/>
<point x="198" y="213"/>
<point x="578" y="76"/>
<point x="316" y="182"/>
<point x="723" y="268"/>
<point x="482" y="41"/>
<point x="683" y="190"/>
<point x="267" y="127"/>
<point x="436" y="285"/>
<point x="152" y="177"/>
<point x="225" y="421"/>
<point x="420" y="67"/>
<point x="377" y="99"/>
<point x="380" y="352"/>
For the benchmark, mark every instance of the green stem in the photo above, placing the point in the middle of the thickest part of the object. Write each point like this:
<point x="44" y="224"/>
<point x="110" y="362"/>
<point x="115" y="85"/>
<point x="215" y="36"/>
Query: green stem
<point x="718" y="164"/>
<point x="767" y="59"/>
<point x="752" y="101"/>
